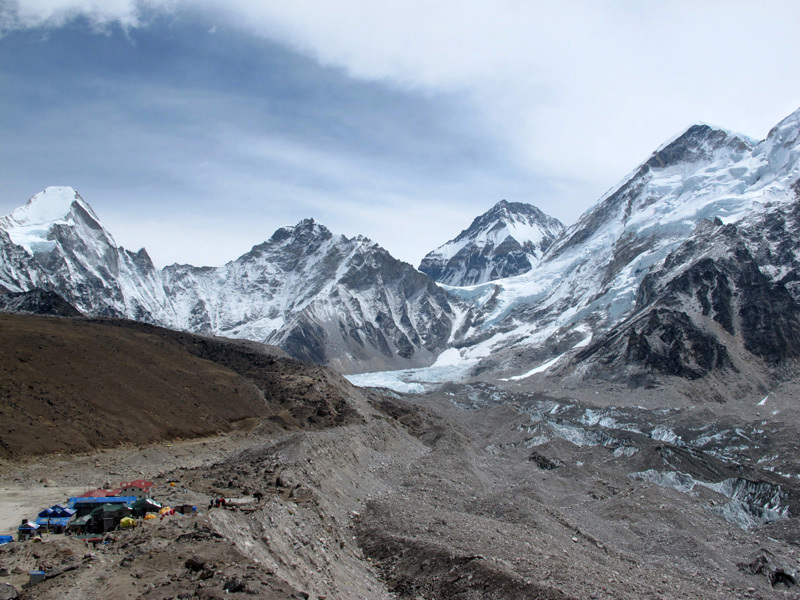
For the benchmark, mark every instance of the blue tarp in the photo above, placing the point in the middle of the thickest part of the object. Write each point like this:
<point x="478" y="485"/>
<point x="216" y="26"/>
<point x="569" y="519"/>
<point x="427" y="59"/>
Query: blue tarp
<point x="102" y="500"/>
<point x="6" y="539"/>
<point x="53" y="522"/>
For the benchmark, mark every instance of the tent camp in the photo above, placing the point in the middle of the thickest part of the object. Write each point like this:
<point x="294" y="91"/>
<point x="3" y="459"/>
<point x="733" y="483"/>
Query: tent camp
<point x="56" y="518"/>
<point x="144" y="506"/>
<point x="81" y="524"/>
<point x="104" y="517"/>
<point x="84" y="505"/>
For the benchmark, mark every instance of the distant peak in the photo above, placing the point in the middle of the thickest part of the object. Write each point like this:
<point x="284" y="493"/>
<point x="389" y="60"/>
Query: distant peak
<point x="512" y="206"/>
<point x="60" y="189"/>
<point x="29" y="225"/>
<point x="51" y="205"/>
<point x="310" y="227"/>
<point x="306" y="224"/>
<point x="507" y="212"/>
<point x="698" y="141"/>
<point x="304" y="231"/>
<point x="504" y="207"/>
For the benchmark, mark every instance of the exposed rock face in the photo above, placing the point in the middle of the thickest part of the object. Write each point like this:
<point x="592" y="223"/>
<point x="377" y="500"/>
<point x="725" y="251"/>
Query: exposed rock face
<point x="711" y="301"/>
<point x="37" y="302"/>
<point x="506" y="241"/>
<point x="56" y="243"/>
<point x="322" y="297"/>
<point x="688" y="267"/>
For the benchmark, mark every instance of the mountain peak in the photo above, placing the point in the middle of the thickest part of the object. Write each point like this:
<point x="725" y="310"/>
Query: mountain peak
<point x="513" y="212"/>
<point x="506" y="208"/>
<point x="52" y="204"/>
<point x="305" y="230"/>
<point x="306" y="224"/>
<point x="29" y="225"/>
<point x="698" y="142"/>
<point x="505" y="241"/>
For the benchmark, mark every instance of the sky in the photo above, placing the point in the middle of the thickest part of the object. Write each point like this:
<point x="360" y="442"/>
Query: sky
<point x="196" y="128"/>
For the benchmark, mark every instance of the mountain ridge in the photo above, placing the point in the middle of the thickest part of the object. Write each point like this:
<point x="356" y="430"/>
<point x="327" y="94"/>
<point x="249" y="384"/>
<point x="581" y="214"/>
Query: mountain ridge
<point x="145" y="383"/>
<point x="588" y="282"/>
<point x="348" y="303"/>
<point x="327" y="298"/>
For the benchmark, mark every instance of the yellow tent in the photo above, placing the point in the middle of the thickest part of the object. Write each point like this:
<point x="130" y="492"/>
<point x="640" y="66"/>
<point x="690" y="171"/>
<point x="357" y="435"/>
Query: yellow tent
<point x="127" y="522"/>
<point x="164" y="510"/>
<point x="149" y="517"/>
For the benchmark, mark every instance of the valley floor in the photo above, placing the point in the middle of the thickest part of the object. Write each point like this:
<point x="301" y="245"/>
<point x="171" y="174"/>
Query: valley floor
<point x="471" y="492"/>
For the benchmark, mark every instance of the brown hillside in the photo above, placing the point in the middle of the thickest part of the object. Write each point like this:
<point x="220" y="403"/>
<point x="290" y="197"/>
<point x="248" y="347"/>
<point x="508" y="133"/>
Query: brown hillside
<point x="75" y="384"/>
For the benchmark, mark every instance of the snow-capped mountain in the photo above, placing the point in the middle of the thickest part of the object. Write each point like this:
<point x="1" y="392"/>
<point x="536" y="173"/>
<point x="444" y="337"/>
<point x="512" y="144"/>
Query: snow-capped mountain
<point x="713" y="306"/>
<point x="690" y="267"/>
<point x="322" y="297"/>
<point x="56" y="242"/>
<point x="507" y="240"/>
<point x="605" y="267"/>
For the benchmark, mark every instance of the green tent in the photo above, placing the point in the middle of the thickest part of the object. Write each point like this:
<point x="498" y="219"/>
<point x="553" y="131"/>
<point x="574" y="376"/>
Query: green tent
<point x="145" y="505"/>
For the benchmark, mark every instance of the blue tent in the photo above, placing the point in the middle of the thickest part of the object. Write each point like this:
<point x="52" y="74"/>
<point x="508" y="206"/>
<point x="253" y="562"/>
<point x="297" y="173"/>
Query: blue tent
<point x="57" y="517"/>
<point x="57" y="511"/>
<point x="53" y="522"/>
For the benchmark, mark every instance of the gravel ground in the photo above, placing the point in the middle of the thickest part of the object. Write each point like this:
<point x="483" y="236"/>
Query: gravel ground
<point x="437" y="496"/>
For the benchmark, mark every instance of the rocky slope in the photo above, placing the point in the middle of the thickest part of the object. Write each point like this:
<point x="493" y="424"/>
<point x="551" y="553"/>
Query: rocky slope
<point x="507" y="240"/>
<point x="710" y="307"/>
<point x="37" y="302"/>
<point x="73" y="385"/>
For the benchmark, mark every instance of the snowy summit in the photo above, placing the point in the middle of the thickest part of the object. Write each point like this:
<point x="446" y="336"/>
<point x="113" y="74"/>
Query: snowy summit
<point x="505" y="241"/>
<point x="29" y="225"/>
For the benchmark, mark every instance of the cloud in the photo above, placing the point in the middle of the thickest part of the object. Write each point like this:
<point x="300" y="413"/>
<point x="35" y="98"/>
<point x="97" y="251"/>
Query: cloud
<point x="21" y="14"/>
<point x="589" y="86"/>
<point x="574" y="94"/>
<point x="168" y="123"/>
